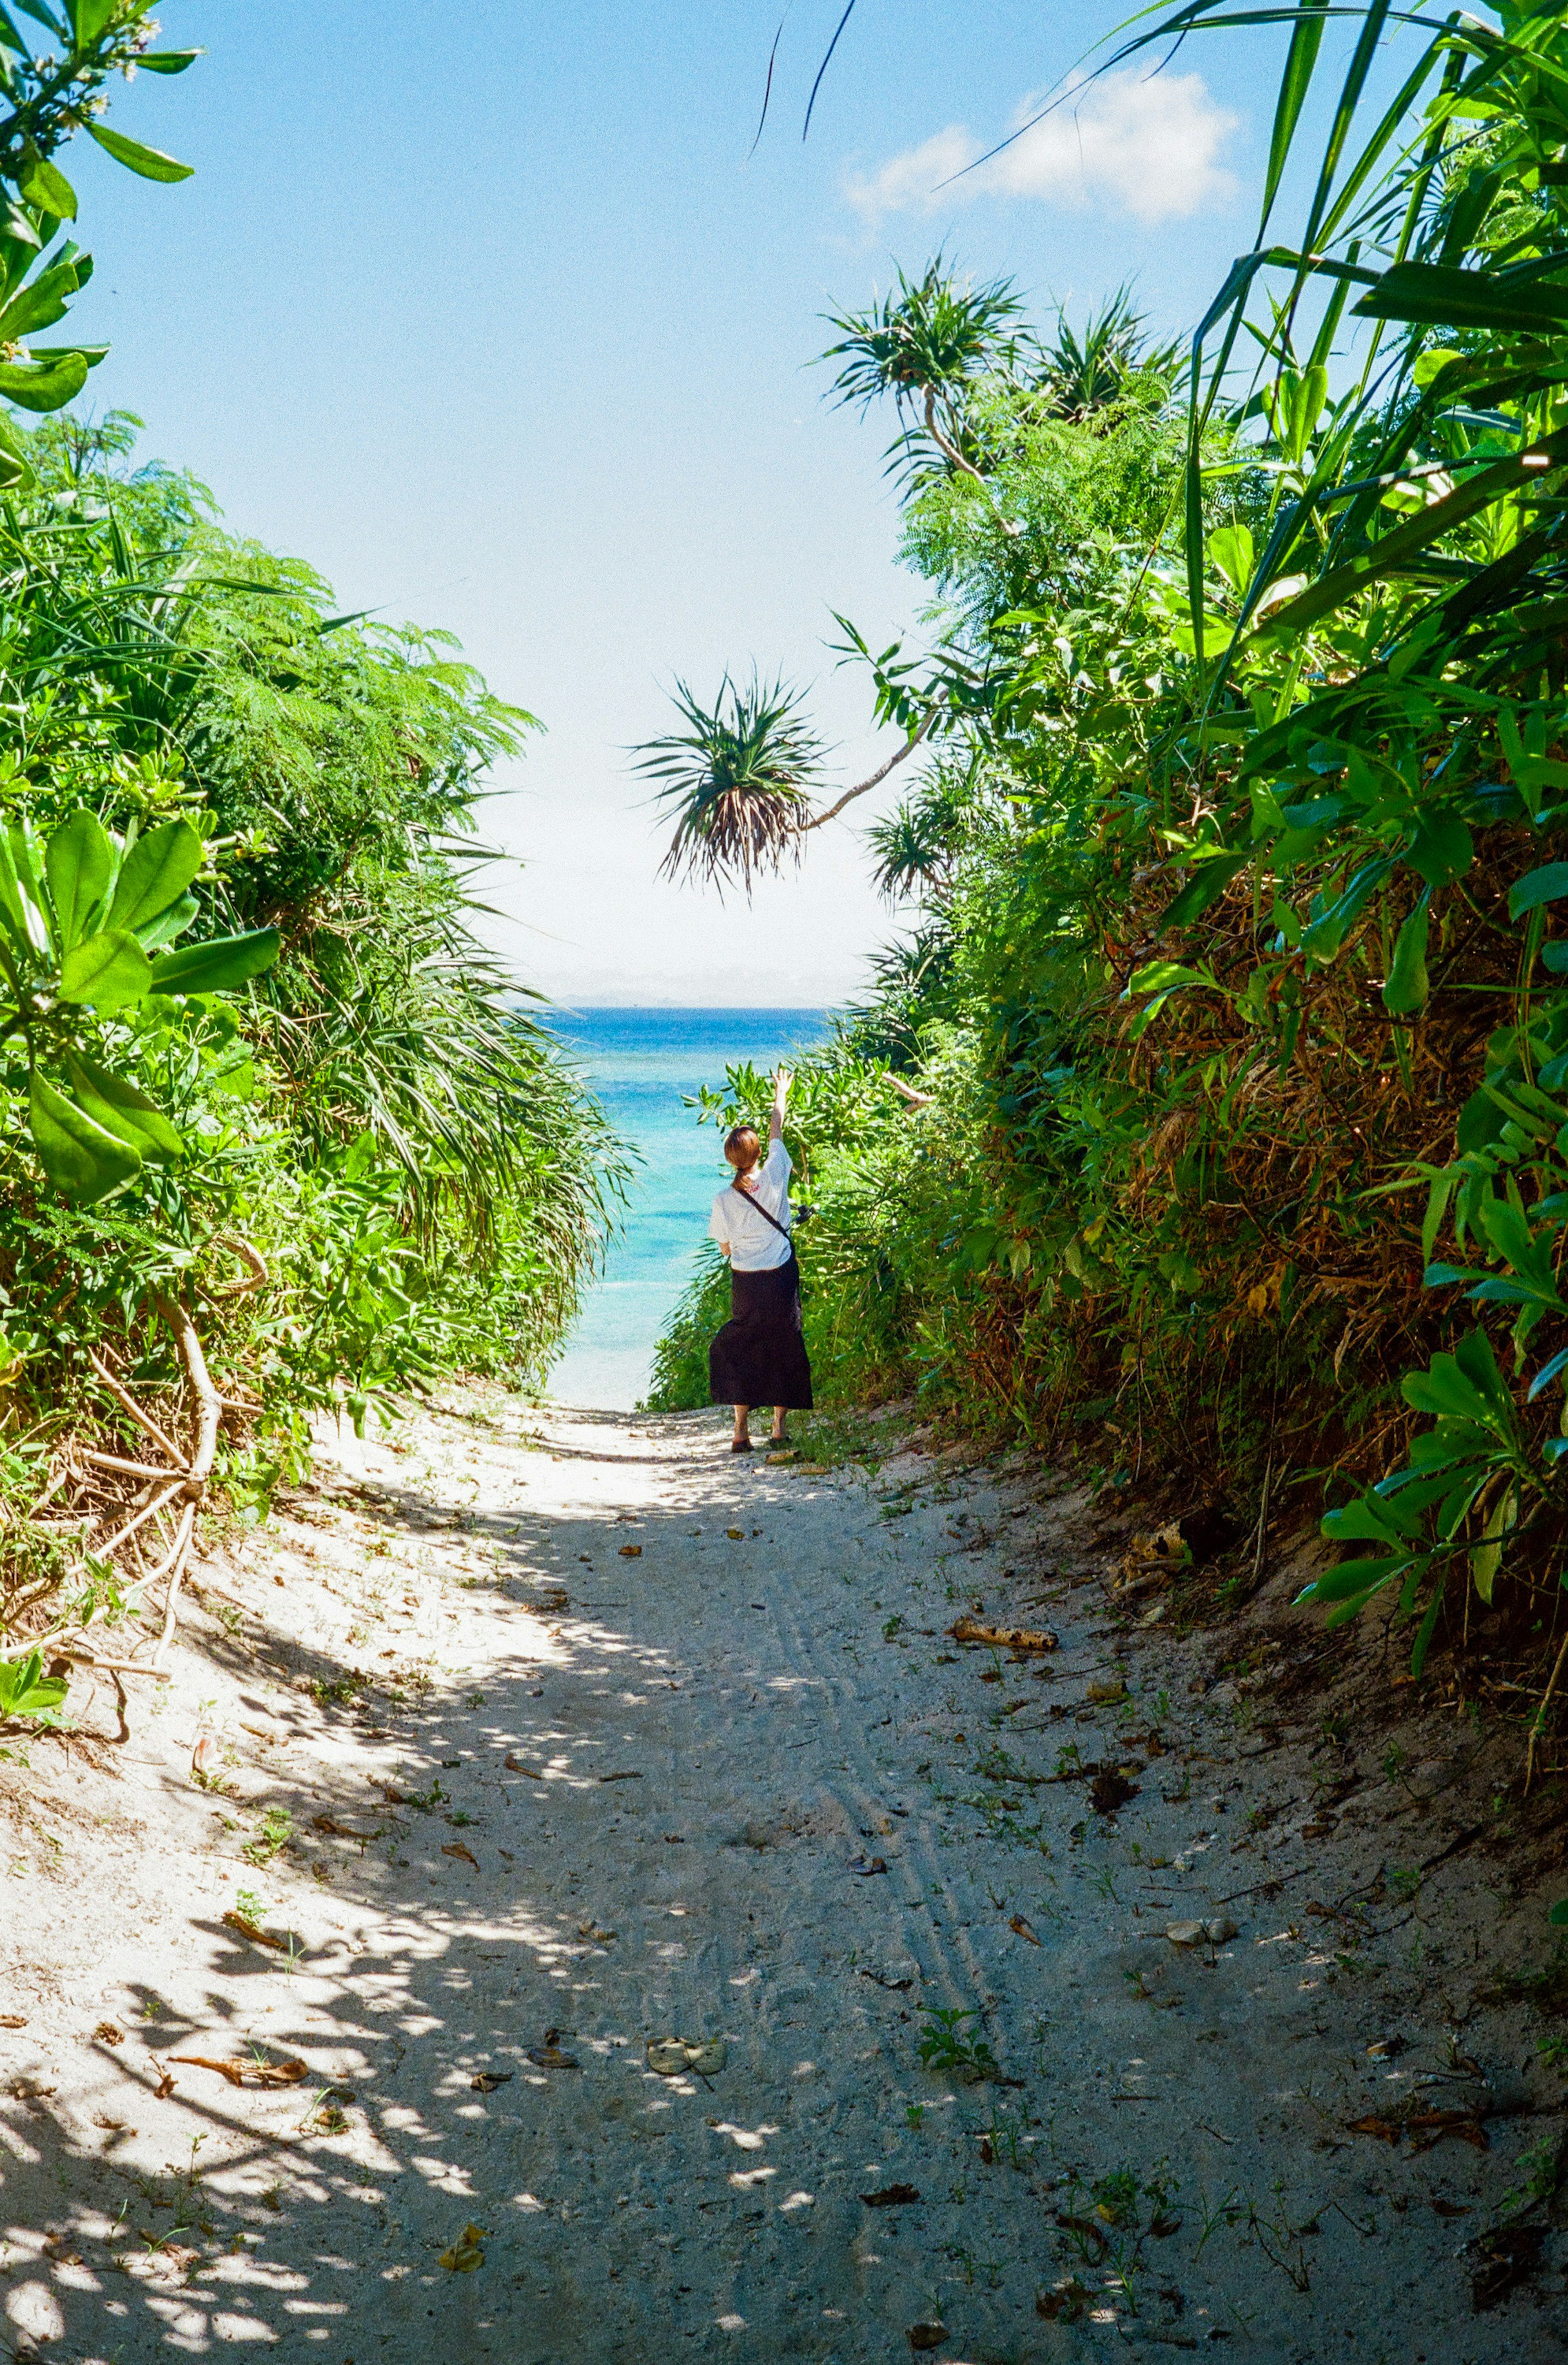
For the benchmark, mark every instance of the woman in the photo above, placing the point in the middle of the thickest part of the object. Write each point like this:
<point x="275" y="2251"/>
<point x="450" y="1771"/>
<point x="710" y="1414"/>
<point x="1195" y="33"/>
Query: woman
<point x="759" y="1356"/>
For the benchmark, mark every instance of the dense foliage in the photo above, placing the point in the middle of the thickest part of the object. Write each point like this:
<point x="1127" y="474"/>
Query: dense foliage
<point x="1231" y="974"/>
<point x="272" y="1134"/>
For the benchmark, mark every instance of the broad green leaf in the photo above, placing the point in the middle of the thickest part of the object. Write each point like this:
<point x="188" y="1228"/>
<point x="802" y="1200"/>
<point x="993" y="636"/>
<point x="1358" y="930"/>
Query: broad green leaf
<point x="45" y="185"/>
<point x="122" y="1110"/>
<point x="45" y="299"/>
<point x="168" y="61"/>
<point x="1548" y="884"/>
<point x="109" y="970"/>
<point x="1230" y="547"/>
<point x="1164" y="977"/>
<point x="1354" y="1579"/>
<point x="1445" y="1390"/>
<point x="89" y="18"/>
<point x="79" y="863"/>
<point x="216" y="966"/>
<point x="1443" y="850"/>
<point x="1207" y="884"/>
<point x="1406" y="986"/>
<point x="25" y="1690"/>
<point x="1548" y="1373"/>
<point x="1475" y="1358"/>
<point x="1367" y="1521"/>
<point x="1425" y="1632"/>
<point x="45" y="385"/>
<point x="1558" y="1917"/>
<point x="78" y="1156"/>
<point x="1486" y="1558"/>
<point x="151" y="162"/>
<point x="1509" y="1233"/>
<point x="1462" y="299"/>
<point x="153" y="935"/>
<point x="1481" y="1121"/>
<point x="154" y="874"/>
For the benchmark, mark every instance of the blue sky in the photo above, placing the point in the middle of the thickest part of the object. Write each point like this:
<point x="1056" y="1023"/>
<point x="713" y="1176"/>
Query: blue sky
<point x="485" y="311"/>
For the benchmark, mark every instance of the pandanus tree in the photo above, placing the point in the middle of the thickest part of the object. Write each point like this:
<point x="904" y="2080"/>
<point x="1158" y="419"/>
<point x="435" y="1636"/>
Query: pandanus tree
<point x="925" y="343"/>
<point x="1110" y="364"/>
<point x="742" y="779"/>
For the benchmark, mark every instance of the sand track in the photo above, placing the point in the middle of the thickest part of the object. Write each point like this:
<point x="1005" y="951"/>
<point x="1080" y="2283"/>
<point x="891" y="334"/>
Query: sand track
<point x="743" y="1790"/>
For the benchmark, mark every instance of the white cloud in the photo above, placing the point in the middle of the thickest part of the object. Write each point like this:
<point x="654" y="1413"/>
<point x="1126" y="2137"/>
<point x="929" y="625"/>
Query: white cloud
<point x="1151" y="145"/>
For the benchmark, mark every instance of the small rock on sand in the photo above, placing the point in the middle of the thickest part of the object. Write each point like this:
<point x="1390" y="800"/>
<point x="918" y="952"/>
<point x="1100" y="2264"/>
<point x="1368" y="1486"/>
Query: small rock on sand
<point x="1212" y="1932"/>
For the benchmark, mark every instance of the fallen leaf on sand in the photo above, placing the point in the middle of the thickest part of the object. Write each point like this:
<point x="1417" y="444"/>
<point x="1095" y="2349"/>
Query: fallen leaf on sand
<point x="1065" y="2304"/>
<point x="867" y="1865"/>
<point x="620" y="1777"/>
<point x="1087" y="2228"/>
<point x="785" y="1453"/>
<point x="1508" y="2253"/>
<point x="241" y="2072"/>
<point x="164" y="2087"/>
<point x="251" y="1930"/>
<point x="1022" y="1929"/>
<point x="735" y="1535"/>
<point x="393" y="1796"/>
<point x="1212" y="1932"/>
<point x="488" y="2079"/>
<point x="466" y="2253"/>
<point x="205" y="1754"/>
<point x="891" y="2196"/>
<point x="631" y="1551"/>
<point x="339" y="1831"/>
<point x="1004" y="1638"/>
<point x="1426" y="2127"/>
<point x="1451" y="2208"/>
<point x="107" y="2033"/>
<point x="926" y="2336"/>
<point x="455" y="1847"/>
<point x="13" y="2020"/>
<point x="115" y="2126"/>
<point x="1105" y="1689"/>
<point x="599" y="1937"/>
<point x="550" y="2057"/>
<point x="673" y="2056"/>
<point x="515" y="1765"/>
<point x="1109" y="1790"/>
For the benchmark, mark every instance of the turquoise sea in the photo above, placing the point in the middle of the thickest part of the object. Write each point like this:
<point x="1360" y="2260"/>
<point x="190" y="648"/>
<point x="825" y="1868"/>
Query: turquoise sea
<point x="638" y="1063"/>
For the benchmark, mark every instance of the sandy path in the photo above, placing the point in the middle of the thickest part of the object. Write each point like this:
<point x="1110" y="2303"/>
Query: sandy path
<point x="735" y="1788"/>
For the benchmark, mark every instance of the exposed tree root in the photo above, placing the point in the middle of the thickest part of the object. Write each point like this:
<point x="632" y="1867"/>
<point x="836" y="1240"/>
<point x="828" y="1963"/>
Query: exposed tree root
<point x="182" y="1478"/>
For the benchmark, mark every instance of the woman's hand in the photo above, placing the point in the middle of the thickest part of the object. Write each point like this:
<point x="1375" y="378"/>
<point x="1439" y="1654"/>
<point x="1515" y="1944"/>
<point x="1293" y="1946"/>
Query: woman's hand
<point x="782" y="1079"/>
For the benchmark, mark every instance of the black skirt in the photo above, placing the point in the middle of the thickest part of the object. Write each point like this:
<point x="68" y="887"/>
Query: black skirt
<point x="759" y="1356"/>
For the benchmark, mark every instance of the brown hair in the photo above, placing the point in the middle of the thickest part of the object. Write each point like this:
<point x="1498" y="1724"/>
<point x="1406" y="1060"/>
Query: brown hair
<point x="743" y="1147"/>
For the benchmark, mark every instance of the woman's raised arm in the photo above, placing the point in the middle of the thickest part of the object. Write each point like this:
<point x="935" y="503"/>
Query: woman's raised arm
<point x="782" y="1079"/>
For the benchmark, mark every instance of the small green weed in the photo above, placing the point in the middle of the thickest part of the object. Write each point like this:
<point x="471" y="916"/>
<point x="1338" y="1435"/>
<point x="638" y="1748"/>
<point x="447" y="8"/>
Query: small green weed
<point x="946" y="2046"/>
<point x="276" y="1831"/>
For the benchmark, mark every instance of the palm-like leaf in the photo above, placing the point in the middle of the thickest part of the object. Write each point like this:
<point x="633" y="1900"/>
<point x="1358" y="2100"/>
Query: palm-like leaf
<point x="922" y="343"/>
<point x="1111" y="363"/>
<point x="740" y="779"/>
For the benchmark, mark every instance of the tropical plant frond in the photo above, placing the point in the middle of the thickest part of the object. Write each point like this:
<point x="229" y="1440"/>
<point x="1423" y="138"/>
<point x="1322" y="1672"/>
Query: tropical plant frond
<point x="740" y="779"/>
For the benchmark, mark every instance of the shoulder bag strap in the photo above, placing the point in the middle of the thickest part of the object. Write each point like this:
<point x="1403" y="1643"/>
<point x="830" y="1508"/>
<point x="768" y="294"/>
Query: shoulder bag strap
<point x="753" y="1201"/>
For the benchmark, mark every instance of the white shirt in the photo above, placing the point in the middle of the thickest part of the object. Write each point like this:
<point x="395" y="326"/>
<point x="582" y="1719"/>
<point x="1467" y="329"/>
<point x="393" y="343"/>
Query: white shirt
<point x="753" y="1244"/>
